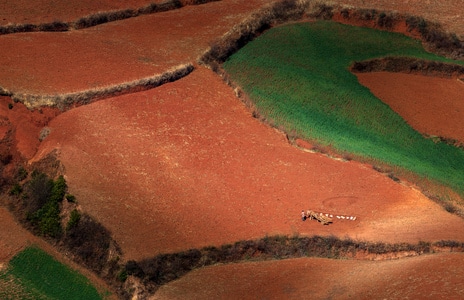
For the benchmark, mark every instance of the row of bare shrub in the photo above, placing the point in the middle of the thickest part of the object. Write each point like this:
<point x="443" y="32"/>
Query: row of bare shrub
<point x="409" y="65"/>
<point x="435" y="38"/>
<point x="163" y="268"/>
<point x="64" y="101"/>
<point x="251" y="27"/>
<point x="433" y="35"/>
<point x="100" y="17"/>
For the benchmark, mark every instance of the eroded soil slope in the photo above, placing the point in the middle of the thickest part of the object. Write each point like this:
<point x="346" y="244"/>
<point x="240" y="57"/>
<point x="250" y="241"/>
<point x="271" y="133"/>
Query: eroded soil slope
<point x="433" y="106"/>
<point x="185" y="165"/>
<point x="423" y="277"/>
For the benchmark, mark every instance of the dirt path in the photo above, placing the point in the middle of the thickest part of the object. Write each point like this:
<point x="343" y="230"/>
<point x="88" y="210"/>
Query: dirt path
<point x="185" y="165"/>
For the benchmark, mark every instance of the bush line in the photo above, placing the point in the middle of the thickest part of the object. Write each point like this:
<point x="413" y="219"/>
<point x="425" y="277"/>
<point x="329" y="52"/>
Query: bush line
<point x="432" y="34"/>
<point x="251" y="27"/>
<point x="100" y="17"/>
<point x="64" y="101"/>
<point x="164" y="268"/>
<point x="409" y="65"/>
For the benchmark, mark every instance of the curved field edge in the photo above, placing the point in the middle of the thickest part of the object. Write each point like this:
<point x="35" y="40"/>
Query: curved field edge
<point x="166" y="267"/>
<point x="314" y="96"/>
<point x="84" y="97"/>
<point x="100" y="17"/>
<point x="33" y="274"/>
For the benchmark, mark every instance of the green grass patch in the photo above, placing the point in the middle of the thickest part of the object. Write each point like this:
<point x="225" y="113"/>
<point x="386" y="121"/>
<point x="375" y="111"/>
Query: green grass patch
<point x="298" y="77"/>
<point x="33" y="274"/>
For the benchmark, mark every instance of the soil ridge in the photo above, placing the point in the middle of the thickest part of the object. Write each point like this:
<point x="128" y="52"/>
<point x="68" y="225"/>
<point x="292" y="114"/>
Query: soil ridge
<point x="100" y="17"/>
<point x="64" y="101"/>
<point x="409" y="65"/>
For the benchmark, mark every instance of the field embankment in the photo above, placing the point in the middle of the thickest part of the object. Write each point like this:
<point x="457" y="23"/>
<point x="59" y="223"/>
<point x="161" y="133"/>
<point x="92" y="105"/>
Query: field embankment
<point x="447" y="13"/>
<point x="115" y="53"/>
<point x="46" y="15"/>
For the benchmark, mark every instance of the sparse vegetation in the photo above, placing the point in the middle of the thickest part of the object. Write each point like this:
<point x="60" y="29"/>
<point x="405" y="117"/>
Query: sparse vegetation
<point x="85" y="238"/>
<point x="167" y="267"/>
<point x="99" y="18"/>
<point x="84" y="97"/>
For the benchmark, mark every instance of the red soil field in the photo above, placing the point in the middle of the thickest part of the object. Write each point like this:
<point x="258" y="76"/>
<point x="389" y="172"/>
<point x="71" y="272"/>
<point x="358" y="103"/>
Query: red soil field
<point x="433" y="106"/>
<point x="436" y="276"/>
<point x="13" y="239"/>
<point x="115" y="52"/>
<point x="47" y="11"/>
<point x="185" y="165"/>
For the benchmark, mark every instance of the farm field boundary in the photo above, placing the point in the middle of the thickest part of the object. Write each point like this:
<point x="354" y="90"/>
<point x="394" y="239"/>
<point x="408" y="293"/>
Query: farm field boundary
<point x="165" y="268"/>
<point x="100" y="17"/>
<point x="84" y="97"/>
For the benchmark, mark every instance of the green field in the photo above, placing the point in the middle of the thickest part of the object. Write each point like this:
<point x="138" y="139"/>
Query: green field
<point x="298" y="77"/>
<point x="33" y="274"/>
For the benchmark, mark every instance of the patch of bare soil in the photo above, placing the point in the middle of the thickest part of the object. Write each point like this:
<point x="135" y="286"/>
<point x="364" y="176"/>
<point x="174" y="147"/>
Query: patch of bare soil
<point x="422" y="277"/>
<point x="47" y="11"/>
<point x="185" y="165"/>
<point x="431" y="105"/>
<point x="20" y="128"/>
<point x="117" y="52"/>
<point x="13" y="237"/>
<point x="448" y="13"/>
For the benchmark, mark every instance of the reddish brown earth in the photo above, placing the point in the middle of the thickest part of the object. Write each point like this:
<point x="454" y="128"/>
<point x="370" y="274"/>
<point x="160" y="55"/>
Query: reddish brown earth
<point x="431" y="105"/>
<point x="47" y="11"/>
<point x="185" y="165"/>
<point x="115" y="52"/>
<point x="425" y="277"/>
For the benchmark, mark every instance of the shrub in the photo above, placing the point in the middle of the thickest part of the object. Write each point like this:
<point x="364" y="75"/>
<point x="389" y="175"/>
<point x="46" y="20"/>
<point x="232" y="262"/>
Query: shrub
<point x="70" y="198"/>
<point x="90" y="242"/>
<point x="21" y="174"/>
<point x="48" y="219"/>
<point x="58" y="189"/>
<point x="322" y="12"/>
<point x="16" y="190"/>
<point x="74" y="218"/>
<point x="38" y="190"/>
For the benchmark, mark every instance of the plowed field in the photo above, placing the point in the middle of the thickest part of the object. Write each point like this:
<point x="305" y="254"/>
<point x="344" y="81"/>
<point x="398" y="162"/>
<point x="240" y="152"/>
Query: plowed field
<point x="186" y="165"/>
<point x="425" y="277"/>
